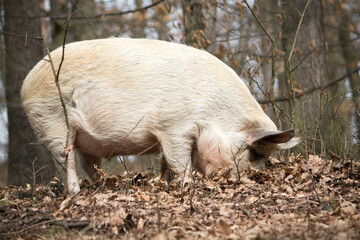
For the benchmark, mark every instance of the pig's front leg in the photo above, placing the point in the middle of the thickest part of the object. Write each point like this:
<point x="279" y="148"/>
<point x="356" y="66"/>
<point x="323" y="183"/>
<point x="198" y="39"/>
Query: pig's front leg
<point x="177" y="151"/>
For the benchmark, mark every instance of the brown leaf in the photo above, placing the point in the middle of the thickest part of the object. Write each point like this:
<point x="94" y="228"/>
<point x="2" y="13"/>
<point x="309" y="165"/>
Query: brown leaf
<point x="145" y="197"/>
<point x="245" y="180"/>
<point x="348" y="207"/>
<point x="140" y="224"/>
<point x="223" y="227"/>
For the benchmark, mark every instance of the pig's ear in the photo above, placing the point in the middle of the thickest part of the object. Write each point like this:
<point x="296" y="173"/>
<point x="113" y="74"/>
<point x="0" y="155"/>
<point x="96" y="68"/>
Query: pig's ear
<point x="283" y="139"/>
<point x="292" y="143"/>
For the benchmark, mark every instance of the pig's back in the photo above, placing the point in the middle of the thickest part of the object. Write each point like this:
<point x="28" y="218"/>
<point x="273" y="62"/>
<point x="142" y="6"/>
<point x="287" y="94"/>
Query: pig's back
<point x="134" y="64"/>
<point x="149" y="77"/>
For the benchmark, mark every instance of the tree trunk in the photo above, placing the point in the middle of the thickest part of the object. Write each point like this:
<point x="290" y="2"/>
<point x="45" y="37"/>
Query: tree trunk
<point x="351" y="62"/>
<point x="311" y="73"/>
<point x="58" y="9"/>
<point x="79" y="29"/>
<point x="26" y="159"/>
<point x="272" y="26"/>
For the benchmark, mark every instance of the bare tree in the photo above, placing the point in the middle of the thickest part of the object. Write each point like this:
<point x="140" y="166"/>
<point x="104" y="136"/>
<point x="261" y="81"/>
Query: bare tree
<point x="22" y="53"/>
<point x="305" y="62"/>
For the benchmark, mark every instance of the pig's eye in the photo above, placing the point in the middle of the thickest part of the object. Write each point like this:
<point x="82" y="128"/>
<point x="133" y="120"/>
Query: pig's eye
<point x="255" y="156"/>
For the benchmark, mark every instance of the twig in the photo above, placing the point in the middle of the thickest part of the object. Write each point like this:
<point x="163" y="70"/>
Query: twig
<point x="288" y="68"/>
<point x="259" y="22"/>
<point x="72" y="224"/>
<point x="301" y="61"/>
<point x="192" y="209"/>
<point x="246" y="212"/>
<point x="122" y="161"/>
<point x="269" y="98"/>
<point x="65" y="223"/>
<point x="297" y="30"/>
<point x="158" y="213"/>
<point x="287" y="98"/>
<point x="88" y="17"/>
<point x="307" y="156"/>
<point x="273" y="62"/>
<point x="334" y="156"/>
<point x="273" y="76"/>
<point x="237" y="162"/>
<point x="58" y="73"/>
<point x="89" y="23"/>
<point x="29" y="227"/>
<point x="21" y="36"/>
<point x="56" y="76"/>
<point x="34" y="172"/>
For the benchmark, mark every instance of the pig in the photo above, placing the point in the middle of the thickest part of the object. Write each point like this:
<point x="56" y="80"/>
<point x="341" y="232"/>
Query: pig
<point x="129" y="96"/>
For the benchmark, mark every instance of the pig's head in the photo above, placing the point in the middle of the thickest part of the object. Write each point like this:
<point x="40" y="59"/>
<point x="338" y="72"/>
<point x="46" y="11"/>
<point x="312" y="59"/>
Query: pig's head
<point x="242" y="150"/>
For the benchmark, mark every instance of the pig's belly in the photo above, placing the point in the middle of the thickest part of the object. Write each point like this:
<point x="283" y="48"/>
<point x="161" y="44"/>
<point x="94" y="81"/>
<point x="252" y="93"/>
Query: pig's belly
<point x="123" y="146"/>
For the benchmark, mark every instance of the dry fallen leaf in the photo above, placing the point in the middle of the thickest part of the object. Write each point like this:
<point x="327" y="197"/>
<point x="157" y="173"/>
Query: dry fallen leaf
<point x="223" y="227"/>
<point x="245" y="180"/>
<point x="273" y="203"/>
<point x="145" y="197"/>
<point x="348" y="207"/>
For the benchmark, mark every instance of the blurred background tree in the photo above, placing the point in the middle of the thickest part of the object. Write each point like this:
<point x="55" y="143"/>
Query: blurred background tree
<point x="23" y="49"/>
<point x="299" y="58"/>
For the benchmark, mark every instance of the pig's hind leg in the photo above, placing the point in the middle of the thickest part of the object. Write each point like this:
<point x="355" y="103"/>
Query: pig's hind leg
<point x="55" y="142"/>
<point x="88" y="162"/>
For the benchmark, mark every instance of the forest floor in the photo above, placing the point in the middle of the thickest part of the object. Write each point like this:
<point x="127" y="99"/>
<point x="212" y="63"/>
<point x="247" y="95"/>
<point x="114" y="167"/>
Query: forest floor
<point x="279" y="202"/>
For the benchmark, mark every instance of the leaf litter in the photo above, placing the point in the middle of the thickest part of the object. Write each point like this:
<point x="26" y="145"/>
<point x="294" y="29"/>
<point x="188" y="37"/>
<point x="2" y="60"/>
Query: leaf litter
<point x="277" y="202"/>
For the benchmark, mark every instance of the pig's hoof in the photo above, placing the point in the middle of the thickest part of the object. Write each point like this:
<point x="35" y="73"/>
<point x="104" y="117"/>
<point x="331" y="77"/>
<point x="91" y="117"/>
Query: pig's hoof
<point x="186" y="181"/>
<point x="66" y="150"/>
<point x="73" y="189"/>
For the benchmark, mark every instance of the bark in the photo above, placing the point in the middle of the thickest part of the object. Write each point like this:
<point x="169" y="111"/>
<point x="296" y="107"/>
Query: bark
<point x="21" y="55"/>
<point x="268" y="8"/>
<point x="311" y="72"/>
<point x="3" y="123"/>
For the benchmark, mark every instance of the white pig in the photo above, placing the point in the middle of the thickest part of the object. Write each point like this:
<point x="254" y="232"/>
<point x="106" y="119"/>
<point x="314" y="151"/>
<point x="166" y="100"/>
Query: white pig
<point x="127" y="96"/>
